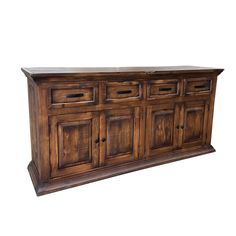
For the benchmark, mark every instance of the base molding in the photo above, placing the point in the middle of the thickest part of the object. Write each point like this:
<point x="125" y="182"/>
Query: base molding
<point x="54" y="185"/>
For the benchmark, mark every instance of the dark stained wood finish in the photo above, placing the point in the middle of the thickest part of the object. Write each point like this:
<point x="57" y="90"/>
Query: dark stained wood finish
<point x="73" y="95"/>
<point x="161" y="88"/>
<point x="88" y="124"/>
<point x="54" y="185"/>
<point x="194" y="123"/>
<point x="198" y="86"/>
<point x="161" y="133"/>
<point x="121" y="136"/>
<point x="74" y="147"/>
<point x="33" y="108"/>
<point x="42" y="72"/>
<point x="122" y="91"/>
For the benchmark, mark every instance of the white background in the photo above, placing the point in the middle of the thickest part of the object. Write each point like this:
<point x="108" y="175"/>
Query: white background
<point x="191" y="197"/>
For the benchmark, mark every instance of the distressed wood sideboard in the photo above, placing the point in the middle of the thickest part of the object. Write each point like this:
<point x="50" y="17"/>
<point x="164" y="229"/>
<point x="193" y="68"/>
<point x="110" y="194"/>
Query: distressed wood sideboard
<point x="89" y="124"/>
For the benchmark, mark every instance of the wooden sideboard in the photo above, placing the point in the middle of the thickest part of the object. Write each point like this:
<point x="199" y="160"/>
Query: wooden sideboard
<point x="89" y="124"/>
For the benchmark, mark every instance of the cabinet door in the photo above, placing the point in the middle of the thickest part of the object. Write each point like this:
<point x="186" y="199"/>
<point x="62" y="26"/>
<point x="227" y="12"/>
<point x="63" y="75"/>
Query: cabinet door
<point x="194" y="122"/>
<point x="74" y="143"/>
<point x="161" y="132"/>
<point x="119" y="136"/>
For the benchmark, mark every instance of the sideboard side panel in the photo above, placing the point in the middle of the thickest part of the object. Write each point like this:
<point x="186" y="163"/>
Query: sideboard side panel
<point x="39" y="130"/>
<point x="211" y="112"/>
<point x="43" y="126"/>
<point x="33" y="118"/>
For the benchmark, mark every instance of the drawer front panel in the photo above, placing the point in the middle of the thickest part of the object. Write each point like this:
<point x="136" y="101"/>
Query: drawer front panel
<point x="74" y="95"/>
<point x="122" y="91"/>
<point x="162" y="89"/>
<point x="198" y="86"/>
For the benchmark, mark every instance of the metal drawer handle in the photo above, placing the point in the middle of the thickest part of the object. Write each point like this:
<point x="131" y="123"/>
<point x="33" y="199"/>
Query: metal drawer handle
<point x="200" y="86"/>
<point x="124" y="92"/>
<point x="165" y="89"/>
<point x="75" y="95"/>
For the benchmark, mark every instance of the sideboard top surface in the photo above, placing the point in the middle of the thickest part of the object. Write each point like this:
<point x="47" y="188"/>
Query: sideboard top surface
<point x="40" y="72"/>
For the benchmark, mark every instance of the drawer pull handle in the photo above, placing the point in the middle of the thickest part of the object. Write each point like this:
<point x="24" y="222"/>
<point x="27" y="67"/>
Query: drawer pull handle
<point x="124" y="91"/>
<point x="165" y="89"/>
<point x="200" y="86"/>
<point x="75" y="95"/>
<point x="179" y="126"/>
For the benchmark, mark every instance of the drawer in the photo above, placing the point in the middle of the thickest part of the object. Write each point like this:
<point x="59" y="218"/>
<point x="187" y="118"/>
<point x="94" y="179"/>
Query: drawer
<point x="162" y="89"/>
<point x="196" y="86"/>
<point x="74" y="95"/>
<point x="123" y="91"/>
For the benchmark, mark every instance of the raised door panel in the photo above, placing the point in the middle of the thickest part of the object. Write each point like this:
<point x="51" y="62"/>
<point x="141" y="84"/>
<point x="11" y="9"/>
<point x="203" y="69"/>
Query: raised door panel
<point x="161" y="133"/>
<point x="119" y="136"/>
<point x="194" y="123"/>
<point x="74" y="143"/>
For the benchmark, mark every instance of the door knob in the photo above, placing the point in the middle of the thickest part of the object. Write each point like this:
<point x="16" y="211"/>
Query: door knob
<point x="97" y="140"/>
<point x="103" y="139"/>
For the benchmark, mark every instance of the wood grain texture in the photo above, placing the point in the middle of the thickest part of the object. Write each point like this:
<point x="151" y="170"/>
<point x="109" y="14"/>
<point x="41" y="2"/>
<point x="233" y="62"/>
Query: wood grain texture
<point x="39" y="129"/>
<point x="194" y="123"/>
<point x="33" y="108"/>
<point x="73" y="145"/>
<point x="40" y="72"/>
<point x="161" y="122"/>
<point x="198" y="86"/>
<point x="122" y="91"/>
<point x="161" y="88"/>
<point x="72" y="95"/>
<point x="120" y="136"/>
<point x="54" y="185"/>
<point x="88" y="124"/>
